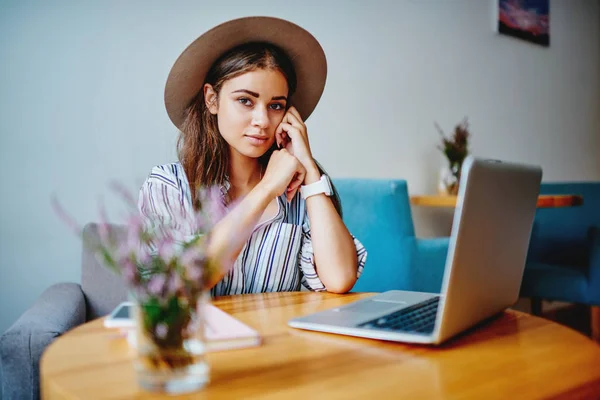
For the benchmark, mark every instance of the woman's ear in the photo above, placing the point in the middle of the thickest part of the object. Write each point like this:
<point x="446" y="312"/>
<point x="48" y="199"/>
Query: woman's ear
<point x="210" y="98"/>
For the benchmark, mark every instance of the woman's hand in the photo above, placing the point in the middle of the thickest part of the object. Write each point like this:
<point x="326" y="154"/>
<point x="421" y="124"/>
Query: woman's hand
<point x="291" y="135"/>
<point x="284" y="174"/>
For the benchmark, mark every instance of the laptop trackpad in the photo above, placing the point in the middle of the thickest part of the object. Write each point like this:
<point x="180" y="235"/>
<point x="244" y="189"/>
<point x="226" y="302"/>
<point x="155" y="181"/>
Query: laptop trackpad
<point x="373" y="307"/>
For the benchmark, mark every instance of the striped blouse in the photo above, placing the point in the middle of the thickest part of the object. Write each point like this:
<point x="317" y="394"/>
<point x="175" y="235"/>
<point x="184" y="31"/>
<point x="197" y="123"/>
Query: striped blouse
<point x="278" y="256"/>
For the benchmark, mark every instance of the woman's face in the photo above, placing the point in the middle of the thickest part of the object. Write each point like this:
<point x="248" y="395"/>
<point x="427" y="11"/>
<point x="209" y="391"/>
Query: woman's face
<point x="250" y="108"/>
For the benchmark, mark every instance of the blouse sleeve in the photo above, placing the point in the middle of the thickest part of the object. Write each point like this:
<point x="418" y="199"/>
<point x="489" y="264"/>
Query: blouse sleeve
<point x="310" y="278"/>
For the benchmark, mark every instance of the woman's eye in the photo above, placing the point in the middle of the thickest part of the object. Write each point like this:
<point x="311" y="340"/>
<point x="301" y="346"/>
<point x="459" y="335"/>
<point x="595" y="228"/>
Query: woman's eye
<point x="245" y="101"/>
<point x="277" y="106"/>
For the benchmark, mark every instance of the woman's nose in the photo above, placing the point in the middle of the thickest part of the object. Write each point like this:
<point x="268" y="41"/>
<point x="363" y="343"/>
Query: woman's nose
<point x="260" y="117"/>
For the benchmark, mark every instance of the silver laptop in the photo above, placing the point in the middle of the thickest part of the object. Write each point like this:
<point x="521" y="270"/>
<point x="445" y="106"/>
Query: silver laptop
<point x="496" y="204"/>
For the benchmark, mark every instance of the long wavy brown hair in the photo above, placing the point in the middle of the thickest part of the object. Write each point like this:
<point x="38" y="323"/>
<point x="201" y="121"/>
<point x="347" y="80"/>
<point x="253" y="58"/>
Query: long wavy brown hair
<point x="202" y="151"/>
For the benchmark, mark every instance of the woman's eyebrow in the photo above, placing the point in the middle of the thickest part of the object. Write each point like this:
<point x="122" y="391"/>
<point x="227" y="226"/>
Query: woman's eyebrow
<point x="254" y="94"/>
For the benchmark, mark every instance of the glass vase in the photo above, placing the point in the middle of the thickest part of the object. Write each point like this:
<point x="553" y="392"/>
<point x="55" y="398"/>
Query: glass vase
<point x="171" y="345"/>
<point x="448" y="181"/>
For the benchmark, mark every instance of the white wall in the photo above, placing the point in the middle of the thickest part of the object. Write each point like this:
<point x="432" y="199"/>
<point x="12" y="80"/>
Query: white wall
<point x="81" y="87"/>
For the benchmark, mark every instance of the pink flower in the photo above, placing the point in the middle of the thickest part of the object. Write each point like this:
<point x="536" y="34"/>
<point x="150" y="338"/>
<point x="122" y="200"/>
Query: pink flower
<point x="192" y="254"/>
<point x="129" y="271"/>
<point x="166" y="249"/>
<point x="135" y="226"/>
<point x="156" y="284"/>
<point x="161" y="330"/>
<point x="157" y="243"/>
<point x="103" y="230"/>
<point x="212" y="207"/>
<point x="144" y="256"/>
<point x="124" y="193"/>
<point x="132" y="246"/>
<point x="66" y="218"/>
<point x="175" y="284"/>
<point x="193" y="272"/>
<point x="193" y="260"/>
<point x="140" y="293"/>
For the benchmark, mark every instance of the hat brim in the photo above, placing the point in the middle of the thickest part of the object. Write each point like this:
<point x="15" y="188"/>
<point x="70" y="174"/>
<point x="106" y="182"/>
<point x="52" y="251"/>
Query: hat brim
<point x="189" y="71"/>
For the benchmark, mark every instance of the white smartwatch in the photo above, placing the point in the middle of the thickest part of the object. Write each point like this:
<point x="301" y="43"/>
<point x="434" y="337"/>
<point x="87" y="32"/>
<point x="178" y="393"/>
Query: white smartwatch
<point x="323" y="185"/>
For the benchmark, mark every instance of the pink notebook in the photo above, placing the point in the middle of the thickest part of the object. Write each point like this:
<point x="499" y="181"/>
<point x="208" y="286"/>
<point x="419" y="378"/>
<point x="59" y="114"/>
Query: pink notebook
<point x="222" y="331"/>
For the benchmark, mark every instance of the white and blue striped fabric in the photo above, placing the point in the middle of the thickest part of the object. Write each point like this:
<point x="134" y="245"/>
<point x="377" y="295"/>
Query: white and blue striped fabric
<point x="278" y="256"/>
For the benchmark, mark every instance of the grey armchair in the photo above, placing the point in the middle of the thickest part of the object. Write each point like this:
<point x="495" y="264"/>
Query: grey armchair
<point x="59" y="309"/>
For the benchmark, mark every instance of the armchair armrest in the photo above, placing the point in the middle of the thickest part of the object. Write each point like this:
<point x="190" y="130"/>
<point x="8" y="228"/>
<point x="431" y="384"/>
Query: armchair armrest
<point x="428" y="262"/>
<point x="60" y="308"/>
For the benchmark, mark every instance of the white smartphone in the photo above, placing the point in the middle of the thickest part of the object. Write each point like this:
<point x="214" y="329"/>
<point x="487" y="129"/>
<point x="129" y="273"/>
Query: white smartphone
<point x="121" y="316"/>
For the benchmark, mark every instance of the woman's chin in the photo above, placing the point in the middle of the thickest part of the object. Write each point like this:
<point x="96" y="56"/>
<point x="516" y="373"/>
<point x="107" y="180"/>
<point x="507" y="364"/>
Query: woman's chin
<point x="254" y="152"/>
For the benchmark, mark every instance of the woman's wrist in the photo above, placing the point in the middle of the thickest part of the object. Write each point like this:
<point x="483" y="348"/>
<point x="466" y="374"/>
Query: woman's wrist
<point x="264" y="192"/>
<point x="312" y="174"/>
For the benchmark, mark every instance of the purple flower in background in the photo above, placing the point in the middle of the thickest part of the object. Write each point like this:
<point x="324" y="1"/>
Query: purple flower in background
<point x="144" y="255"/>
<point x="132" y="245"/>
<point x="175" y="284"/>
<point x="124" y="193"/>
<point x="130" y="272"/>
<point x="161" y="330"/>
<point x="156" y="284"/>
<point x="193" y="272"/>
<point x="162" y="267"/>
<point x="193" y="260"/>
<point x="193" y="254"/>
<point x="167" y="249"/>
<point x="153" y="257"/>
<point x="140" y="292"/>
<point x="103" y="229"/>
<point x="65" y="217"/>
<point x="213" y="207"/>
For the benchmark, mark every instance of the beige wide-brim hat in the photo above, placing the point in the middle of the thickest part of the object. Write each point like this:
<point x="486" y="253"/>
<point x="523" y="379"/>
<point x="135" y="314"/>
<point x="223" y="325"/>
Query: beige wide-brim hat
<point x="187" y="76"/>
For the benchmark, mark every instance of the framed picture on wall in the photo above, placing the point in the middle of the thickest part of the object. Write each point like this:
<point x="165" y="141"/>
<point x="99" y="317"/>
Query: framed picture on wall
<point x="525" y="19"/>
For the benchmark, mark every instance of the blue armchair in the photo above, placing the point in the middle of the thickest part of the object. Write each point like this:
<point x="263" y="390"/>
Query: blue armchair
<point x="563" y="261"/>
<point x="378" y="213"/>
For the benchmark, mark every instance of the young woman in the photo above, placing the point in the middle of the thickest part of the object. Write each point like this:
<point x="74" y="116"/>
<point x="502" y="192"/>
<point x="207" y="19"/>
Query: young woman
<point x="239" y="95"/>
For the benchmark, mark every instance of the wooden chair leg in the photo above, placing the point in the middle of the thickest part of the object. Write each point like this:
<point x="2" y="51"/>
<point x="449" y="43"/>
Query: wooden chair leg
<point x="536" y="306"/>
<point x="595" y="322"/>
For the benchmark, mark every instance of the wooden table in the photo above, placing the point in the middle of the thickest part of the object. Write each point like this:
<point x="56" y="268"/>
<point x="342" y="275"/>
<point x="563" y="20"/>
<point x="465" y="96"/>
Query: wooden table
<point x="513" y="356"/>
<point x="544" y="201"/>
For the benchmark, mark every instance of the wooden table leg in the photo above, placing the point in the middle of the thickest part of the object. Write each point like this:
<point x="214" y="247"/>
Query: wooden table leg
<point x="595" y="321"/>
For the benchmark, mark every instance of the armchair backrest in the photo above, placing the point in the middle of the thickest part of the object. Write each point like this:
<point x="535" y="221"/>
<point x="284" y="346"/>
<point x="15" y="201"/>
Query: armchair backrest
<point x="103" y="289"/>
<point x="377" y="212"/>
<point x="560" y="235"/>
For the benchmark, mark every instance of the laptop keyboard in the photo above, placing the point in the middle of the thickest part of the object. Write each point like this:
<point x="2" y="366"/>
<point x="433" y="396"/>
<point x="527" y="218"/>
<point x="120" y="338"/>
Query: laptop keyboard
<point x="418" y="318"/>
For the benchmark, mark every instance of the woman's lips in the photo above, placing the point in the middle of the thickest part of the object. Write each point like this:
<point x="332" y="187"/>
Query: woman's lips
<point x="256" y="140"/>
